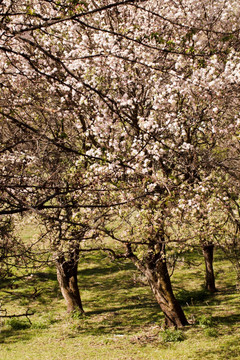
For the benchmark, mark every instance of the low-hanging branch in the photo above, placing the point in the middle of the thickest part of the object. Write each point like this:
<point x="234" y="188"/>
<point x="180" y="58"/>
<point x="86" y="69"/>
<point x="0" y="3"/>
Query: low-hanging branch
<point x="26" y="314"/>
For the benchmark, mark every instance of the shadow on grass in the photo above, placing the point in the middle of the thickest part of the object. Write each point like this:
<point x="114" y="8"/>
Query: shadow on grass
<point x="123" y="319"/>
<point x="145" y="306"/>
<point x="40" y="285"/>
<point x="46" y="276"/>
<point x="194" y="297"/>
<point x="230" y="319"/>
<point x="16" y="330"/>
<point x="100" y="270"/>
<point x="107" y="277"/>
<point x="41" y="276"/>
<point x="12" y="335"/>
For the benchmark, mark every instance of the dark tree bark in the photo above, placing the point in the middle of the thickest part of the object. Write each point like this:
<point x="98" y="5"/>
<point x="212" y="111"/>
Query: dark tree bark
<point x="154" y="267"/>
<point x="208" y="250"/>
<point x="238" y="279"/>
<point x="67" y="279"/>
<point x="160" y="284"/>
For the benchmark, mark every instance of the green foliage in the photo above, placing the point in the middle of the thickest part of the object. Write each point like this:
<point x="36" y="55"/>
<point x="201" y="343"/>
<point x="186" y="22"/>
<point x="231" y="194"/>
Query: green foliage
<point x="63" y="135"/>
<point x="205" y="321"/>
<point x="30" y="11"/>
<point x="76" y="314"/>
<point x="227" y="37"/>
<point x="211" y="332"/>
<point x="158" y="38"/>
<point x="172" y="335"/>
<point x="202" y="63"/>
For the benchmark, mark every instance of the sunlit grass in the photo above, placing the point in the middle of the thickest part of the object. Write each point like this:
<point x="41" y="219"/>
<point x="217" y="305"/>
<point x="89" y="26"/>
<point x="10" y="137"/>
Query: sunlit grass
<point x="122" y="319"/>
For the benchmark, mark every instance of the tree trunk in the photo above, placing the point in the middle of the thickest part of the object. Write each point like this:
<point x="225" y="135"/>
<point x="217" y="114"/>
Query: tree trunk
<point x="238" y="279"/>
<point x="154" y="267"/>
<point x="208" y="257"/>
<point x="67" y="279"/>
<point x="160" y="284"/>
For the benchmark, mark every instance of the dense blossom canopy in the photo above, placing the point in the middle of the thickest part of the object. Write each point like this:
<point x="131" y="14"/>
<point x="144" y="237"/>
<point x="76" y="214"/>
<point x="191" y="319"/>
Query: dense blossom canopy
<point x="131" y="103"/>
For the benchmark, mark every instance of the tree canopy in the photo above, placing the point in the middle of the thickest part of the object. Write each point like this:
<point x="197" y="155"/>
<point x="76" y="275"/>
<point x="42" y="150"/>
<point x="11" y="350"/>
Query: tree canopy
<point x="121" y="119"/>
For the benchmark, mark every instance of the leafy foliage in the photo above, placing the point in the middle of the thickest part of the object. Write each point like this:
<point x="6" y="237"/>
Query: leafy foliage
<point x="173" y="335"/>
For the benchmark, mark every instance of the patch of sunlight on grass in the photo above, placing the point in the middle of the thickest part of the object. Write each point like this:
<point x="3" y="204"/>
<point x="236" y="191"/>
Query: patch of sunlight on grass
<point x="122" y="320"/>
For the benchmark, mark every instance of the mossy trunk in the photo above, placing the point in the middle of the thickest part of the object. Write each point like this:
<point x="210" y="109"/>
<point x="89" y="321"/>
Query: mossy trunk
<point x="67" y="279"/>
<point x="208" y="250"/>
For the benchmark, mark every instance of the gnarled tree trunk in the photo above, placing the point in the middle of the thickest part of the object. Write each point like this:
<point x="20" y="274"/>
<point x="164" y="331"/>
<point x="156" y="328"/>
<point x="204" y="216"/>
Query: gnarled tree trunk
<point x="160" y="283"/>
<point x="154" y="267"/>
<point x="67" y="279"/>
<point x="208" y="250"/>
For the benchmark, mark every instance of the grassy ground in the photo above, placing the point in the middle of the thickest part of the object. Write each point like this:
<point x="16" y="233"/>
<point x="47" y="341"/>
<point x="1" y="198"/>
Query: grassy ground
<point x="122" y="320"/>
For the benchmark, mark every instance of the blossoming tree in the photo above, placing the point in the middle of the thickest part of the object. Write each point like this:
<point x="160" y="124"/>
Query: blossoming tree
<point x="122" y="106"/>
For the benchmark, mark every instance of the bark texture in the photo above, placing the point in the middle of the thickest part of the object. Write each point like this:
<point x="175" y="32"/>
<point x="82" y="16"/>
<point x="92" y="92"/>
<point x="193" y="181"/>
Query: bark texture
<point x="67" y="279"/>
<point x="208" y="250"/>
<point x="154" y="267"/>
<point x="160" y="283"/>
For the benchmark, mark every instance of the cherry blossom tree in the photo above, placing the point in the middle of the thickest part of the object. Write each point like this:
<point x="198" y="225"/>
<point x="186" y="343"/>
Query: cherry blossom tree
<point x="38" y="105"/>
<point x="120" y="108"/>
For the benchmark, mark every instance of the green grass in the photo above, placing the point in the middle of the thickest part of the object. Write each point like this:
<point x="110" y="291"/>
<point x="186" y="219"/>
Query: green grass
<point x="122" y="319"/>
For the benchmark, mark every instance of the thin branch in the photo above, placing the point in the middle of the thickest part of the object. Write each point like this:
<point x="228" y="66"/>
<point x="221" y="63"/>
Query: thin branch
<point x="27" y="314"/>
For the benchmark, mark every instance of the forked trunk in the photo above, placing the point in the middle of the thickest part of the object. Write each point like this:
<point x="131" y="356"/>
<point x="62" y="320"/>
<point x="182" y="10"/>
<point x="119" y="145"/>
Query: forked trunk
<point x="67" y="279"/>
<point x="209" y="275"/>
